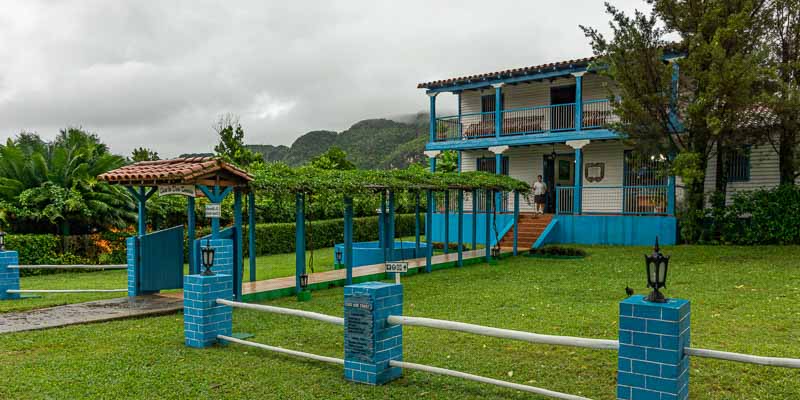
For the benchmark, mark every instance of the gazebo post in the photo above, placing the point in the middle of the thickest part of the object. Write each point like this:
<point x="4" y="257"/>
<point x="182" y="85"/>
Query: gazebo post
<point x="460" y="227"/>
<point x="348" y="239"/>
<point x="193" y="267"/>
<point x="428" y="232"/>
<point x="447" y="221"/>
<point x="238" y="263"/>
<point x="251" y="233"/>
<point x="215" y="221"/>
<point x="416" y="225"/>
<point x="299" y="241"/>
<point x="489" y="195"/>
<point x="474" y="220"/>
<point x="142" y="212"/>
<point x="390" y="232"/>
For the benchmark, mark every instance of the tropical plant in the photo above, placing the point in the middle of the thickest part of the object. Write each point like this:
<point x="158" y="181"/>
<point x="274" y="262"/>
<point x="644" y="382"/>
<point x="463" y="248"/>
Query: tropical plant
<point x="231" y="146"/>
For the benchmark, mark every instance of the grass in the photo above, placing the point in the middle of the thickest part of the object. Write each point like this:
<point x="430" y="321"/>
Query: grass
<point x="744" y="299"/>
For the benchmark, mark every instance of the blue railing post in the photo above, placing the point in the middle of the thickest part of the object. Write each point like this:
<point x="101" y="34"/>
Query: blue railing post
<point x="348" y="239"/>
<point x="557" y="205"/>
<point x="498" y="170"/>
<point x="498" y="109"/>
<point x="429" y="232"/>
<point x="432" y="98"/>
<point x="238" y="262"/>
<point x="390" y="228"/>
<point x="488" y="247"/>
<point x="516" y="221"/>
<point x="382" y="225"/>
<point x="460" y="227"/>
<point x="299" y="240"/>
<point x="460" y="128"/>
<point x="142" y="212"/>
<point x="447" y="221"/>
<point x="416" y="225"/>
<point x="474" y="220"/>
<point x="578" y="100"/>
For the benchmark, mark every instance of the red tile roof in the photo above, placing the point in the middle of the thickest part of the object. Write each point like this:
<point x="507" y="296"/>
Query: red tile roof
<point x="176" y="170"/>
<point x="509" y="73"/>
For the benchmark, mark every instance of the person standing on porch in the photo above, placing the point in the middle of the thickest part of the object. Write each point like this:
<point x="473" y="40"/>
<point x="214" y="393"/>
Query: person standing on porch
<point x="539" y="194"/>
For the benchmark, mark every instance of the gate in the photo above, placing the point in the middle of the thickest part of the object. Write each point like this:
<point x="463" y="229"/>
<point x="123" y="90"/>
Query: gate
<point x="161" y="260"/>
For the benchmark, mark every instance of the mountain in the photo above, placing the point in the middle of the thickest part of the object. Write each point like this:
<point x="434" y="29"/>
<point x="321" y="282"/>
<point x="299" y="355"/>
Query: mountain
<point x="369" y="144"/>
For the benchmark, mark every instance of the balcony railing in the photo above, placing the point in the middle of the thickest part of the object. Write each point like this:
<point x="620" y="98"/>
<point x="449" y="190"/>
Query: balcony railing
<point x="626" y="200"/>
<point x="524" y="121"/>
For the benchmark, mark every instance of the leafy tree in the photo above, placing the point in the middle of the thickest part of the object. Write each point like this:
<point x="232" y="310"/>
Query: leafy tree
<point x="720" y="68"/>
<point x="448" y="162"/>
<point x="231" y="142"/>
<point x="144" y="154"/>
<point x="334" y="158"/>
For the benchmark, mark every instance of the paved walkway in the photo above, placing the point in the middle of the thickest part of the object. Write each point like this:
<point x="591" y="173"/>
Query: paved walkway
<point x="106" y="310"/>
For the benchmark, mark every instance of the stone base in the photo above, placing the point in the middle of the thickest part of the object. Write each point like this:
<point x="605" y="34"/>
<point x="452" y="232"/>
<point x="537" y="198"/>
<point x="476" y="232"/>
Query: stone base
<point x="305" y="295"/>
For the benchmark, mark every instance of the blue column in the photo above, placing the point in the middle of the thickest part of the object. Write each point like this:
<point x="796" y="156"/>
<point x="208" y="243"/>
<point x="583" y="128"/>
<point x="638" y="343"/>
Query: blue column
<point x="203" y="318"/>
<point x="416" y="225"/>
<point x="348" y="239"/>
<point x="9" y="278"/>
<point x="651" y="359"/>
<point x="190" y="235"/>
<point x="498" y="170"/>
<point x="432" y="98"/>
<point x="369" y="341"/>
<point x="446" y="221"/>
<point x="460" y="227"/>
<point x="251" y="233"/>
<point x="390" y="231"/>
<point x="579" y="102"/>
<point x="516" y="221"/>
<point x="577" y="192"/>
<point x="458" y="161"/>
<point x="132" y="258"/>
<point x="215" y="221"/>
<point x="460" y="127"/>
<point x="429" y="232"/>
<point x="488" y="247"/>
<point x="238" y="262"/>
<point x="498" y="111"/>
<point x="474" y="219"/>
<point x="299" y="241"/>
<point x="142" y="212"/>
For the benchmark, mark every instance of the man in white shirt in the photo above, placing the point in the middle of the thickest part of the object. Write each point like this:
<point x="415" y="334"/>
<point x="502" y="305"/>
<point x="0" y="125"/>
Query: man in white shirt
<point x="539" y="194"/>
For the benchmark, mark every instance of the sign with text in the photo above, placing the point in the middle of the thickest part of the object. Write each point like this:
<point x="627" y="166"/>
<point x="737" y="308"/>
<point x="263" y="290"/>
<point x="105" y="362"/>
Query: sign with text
<point x="213" y="210"/>
<point x="183" y="190"/>
<point x="396" y="267"/>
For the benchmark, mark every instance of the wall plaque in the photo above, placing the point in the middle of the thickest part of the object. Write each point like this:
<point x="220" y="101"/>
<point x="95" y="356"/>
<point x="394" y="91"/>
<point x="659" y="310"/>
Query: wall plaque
<point x="595" y="172"/>
<point x="359" y="328"/>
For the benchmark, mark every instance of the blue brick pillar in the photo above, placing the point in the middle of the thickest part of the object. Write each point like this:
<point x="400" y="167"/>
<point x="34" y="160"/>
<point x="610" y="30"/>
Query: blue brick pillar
<point x="369" y="341"/>
<point x="133" y="265"/>
<point x="203" y="318"/>
<point x="9" y="278"/>
<point x="652" y="336"/>
<point x="223" y="256"/>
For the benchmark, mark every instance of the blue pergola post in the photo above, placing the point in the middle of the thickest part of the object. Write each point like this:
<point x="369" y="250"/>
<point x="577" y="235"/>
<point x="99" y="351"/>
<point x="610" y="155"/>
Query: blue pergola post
<point x="238" y="263"/>
<point x="416" y="225"/>
<point x="215" y="196"/>
<point x="447" y="221"/>
<point x="382" y="226"/>
<point x="141" y="197"/>
<point x="390" y="229"/>
<point x="488" y="225"/>
<point x="299" y="240"/>
<point x="578" y="191"/>
<point x="215" y="221"/>
<point x="474" y="219"/>
<point x="460" y="227"/>
<point x="251" y="233"/>
<point x="190" y="235"/>
<point x="498" y="170"/>
<point x="429" y="232"/>
<point x="516" y="221"/>
<point x="348" y="239"/>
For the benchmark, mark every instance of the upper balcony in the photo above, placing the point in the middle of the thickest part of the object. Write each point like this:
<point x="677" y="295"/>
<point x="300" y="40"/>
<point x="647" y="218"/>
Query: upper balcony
<point x="532" y="120"/>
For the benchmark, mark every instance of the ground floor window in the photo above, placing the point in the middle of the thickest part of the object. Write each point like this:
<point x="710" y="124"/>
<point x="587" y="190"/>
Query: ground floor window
<point x="739" y="164"/>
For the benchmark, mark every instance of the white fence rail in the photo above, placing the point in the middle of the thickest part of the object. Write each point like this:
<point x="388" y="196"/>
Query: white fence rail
<point x="284" y="311"/>
<point x="281" y="350"/>
<point x="74" y="266"/>
<point x="66" y="290"/>
<point x="743" y="358"/>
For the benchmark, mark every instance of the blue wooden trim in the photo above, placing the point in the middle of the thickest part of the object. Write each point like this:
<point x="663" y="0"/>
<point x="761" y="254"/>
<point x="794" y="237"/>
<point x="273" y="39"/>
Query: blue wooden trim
<point x="458" y="161"/>
<point x="382" y="226"/>
<point x="516" y="79"/>
<point x="474" y="219"/>
<point x="488" y="241"/>
<point x="210" y="195"/>
<point x="150" y="193"/>
<point x="516" y="222"/>
<point x="251" y="233"/>
<point x="498" y="111"/>
<point x="578" y="103"/>
<point x="215" y="221"/>
<point x="446" y="246"/>
<point x="577" y="193"/>
<point x="299" y="240"/>
<point x="416" y="225"/>
<point x="543" y="238"/>
<point x="142" y="221"/>
<point x="460" y="127"/>
<point x="190" y="235"/>
<point x="460" y="227"/>
<point x="521" y="140"/>
<point x="433" y="164"/>
<point x="348" y="240"/>
<point x="432" y="117"/>
<point x="238" y="263"/>
<point x="429" y="232"/>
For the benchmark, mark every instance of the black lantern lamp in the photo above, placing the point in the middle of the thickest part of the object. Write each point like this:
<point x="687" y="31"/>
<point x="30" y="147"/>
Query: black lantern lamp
<point x="208" y="259"/>
<point x="553" y="155"/>
<point x="496" y="252"/>
<point x="657" y="265"/>
<point x="304" y="281"/>
<point x="2" y="241"/>
<point x="339" y="256"/>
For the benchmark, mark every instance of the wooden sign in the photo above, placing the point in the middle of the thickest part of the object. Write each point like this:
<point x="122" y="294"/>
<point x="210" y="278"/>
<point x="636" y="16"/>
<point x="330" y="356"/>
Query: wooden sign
<point x="182" y="190"/>
<point x="213" y="210"/>
<point x="396" y="267"/>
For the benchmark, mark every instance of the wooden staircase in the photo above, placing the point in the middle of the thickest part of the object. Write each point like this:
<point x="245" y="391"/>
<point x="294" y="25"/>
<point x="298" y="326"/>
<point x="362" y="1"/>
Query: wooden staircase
<point x="530" y="227"/>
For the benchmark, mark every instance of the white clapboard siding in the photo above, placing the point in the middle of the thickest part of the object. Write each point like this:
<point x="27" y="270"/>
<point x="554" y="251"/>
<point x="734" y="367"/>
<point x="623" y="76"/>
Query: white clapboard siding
<point x="597" y="196"/>
<point x="764" y="172"/>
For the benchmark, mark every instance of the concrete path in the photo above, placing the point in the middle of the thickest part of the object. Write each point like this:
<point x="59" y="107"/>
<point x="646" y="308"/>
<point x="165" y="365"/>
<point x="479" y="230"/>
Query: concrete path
<point x="93" y="311"/>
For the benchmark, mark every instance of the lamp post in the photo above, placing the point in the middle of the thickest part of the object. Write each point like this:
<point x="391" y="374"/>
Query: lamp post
<point x="657" y="266"/>
<point x="207" y="254"/>
<point x="496" y="251"/>
<point x="338" y="257"/>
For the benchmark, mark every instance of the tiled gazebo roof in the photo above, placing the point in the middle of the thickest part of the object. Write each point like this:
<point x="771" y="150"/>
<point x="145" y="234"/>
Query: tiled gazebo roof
<point x="176" y="171"/>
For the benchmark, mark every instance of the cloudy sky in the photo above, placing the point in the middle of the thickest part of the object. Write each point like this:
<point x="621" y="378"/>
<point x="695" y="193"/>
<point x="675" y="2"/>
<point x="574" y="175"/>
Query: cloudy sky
<point x="158" y="73"/>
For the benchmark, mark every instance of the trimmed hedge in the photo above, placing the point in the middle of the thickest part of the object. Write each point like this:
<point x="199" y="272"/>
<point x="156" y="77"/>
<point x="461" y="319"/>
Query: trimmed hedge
<point x="104" y="248"/>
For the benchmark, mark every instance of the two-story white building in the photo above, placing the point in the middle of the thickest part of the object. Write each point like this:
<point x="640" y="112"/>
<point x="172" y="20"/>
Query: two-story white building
<point x="552" y="120"/>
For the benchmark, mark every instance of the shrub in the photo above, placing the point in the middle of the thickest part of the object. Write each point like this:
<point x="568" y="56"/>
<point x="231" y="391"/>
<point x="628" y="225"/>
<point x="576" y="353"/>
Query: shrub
<point x="557" y="251"/>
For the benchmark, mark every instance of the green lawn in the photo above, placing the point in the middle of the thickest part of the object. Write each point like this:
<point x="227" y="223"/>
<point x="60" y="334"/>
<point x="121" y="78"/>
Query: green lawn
<point x="744" y="299"/>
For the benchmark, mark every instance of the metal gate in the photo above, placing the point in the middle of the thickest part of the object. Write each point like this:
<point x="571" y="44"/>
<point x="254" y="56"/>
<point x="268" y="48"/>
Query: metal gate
<point x="161" y="260"/>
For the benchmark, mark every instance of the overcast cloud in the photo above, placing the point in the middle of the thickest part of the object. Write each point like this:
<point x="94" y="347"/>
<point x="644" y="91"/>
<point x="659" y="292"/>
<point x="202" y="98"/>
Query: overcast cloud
<point x="158" y="73"/>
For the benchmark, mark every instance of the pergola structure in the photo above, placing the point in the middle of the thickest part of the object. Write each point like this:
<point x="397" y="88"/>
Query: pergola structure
<point x="194" y="176"/>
